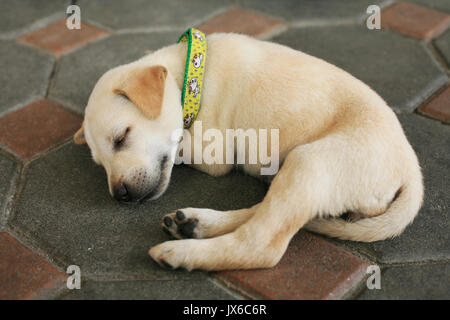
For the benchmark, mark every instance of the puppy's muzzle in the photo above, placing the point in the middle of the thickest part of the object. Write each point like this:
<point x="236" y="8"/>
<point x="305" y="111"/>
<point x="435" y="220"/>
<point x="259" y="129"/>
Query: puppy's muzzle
<point x="140" y="184"/>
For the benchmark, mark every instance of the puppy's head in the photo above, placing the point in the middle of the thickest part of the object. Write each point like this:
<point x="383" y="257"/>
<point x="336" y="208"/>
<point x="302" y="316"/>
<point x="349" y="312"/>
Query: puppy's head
<point x="132" y="124"/>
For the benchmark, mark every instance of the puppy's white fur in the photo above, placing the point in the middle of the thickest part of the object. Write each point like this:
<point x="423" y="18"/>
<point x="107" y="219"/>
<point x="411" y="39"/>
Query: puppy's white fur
<point x="342" y="149"/>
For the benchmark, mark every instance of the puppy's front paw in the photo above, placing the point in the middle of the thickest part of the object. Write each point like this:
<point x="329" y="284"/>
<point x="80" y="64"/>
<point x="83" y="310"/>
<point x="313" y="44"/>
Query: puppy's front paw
<point x="172" y="254"/>
<point x="181" y="224"/>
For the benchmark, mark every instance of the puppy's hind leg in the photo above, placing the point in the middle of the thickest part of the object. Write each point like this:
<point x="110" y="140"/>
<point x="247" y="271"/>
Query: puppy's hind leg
<point x="204" y="223"/>
<point x="261" y="241"/>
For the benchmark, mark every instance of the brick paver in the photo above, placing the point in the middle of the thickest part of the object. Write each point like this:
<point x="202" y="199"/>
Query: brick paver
<point x="58" y="39"/>
<point x="312" y="268"/>
<point x="439" y="106"/>
<point x="414" y="20"/>
<point x="25" y="275"/>
<point x="242" y="21"/>
<point x="440" y="5"/>
<point x="24" y="74"/>
<point x="37" y="127"/>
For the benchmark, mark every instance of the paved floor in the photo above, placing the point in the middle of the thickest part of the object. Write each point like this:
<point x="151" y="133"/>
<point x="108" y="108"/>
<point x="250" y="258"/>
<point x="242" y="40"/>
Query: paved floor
<point x="54" y="207"/>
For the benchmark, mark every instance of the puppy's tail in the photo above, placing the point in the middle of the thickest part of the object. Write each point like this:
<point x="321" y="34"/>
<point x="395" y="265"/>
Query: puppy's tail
<point x="397" y="217"/>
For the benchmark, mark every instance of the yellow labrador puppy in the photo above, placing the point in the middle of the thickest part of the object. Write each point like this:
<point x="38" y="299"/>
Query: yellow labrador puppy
<point x="341" y="147"/>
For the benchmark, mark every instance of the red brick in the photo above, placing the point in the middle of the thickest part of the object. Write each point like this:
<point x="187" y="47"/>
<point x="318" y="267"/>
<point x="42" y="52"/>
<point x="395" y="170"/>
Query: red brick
<point x="58" y="39"/>
<point x="414" y="20"/>
<point x="241" y="21"/>
<point x="439" y="106"/>
<point x="24" y="274"/>
<point x="36" y="127"/>
<point x="312" y="268"/>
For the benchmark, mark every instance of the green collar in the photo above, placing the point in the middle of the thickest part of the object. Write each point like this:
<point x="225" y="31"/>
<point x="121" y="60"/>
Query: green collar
<point x="193" y="74"/>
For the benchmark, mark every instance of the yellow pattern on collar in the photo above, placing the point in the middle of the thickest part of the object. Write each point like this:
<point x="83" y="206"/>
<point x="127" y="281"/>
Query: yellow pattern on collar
<point x="193" y="74"/>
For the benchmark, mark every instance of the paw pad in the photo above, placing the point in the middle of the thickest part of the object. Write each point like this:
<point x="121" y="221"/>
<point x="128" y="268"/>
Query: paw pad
<point x="187" y="229"/>
<point x="180" y="215"/>
<point x="167" y="222"/>
<point x="178" y="225"/>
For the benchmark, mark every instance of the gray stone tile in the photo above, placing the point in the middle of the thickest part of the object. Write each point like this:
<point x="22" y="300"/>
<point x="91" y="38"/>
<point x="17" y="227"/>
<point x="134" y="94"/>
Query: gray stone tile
<point x="413" y="282"/>
<point x="66" y="209"/>
<point x="159" y="289"/>
<point x="25" y="74"/>
<point x="9" y="171"/>
<point x="443" y="46"/>
<point x="311" y="10"/>
<point x="398" y="68"/>
<point x="154" y="14"/>
<point x="17" y="17"/>
<point x="441" y="5"/>
<point x="77" y="73"/>
<point x="427" y="238"/>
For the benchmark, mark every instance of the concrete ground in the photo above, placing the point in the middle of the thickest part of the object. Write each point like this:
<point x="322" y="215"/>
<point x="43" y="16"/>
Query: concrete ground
<point x="55" y="210"/>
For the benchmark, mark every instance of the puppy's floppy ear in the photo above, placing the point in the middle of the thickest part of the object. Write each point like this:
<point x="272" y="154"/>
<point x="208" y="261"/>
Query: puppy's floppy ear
<point x="145" y="88"/>
<point x="78" y="137"/>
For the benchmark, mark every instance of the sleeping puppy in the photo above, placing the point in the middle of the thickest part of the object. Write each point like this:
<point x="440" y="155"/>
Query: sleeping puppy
<point x="341" y="147"/>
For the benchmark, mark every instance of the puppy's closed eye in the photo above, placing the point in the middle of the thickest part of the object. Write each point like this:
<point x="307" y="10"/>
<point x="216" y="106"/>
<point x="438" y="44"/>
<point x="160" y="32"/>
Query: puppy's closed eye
<point x="120" y="140"/>
<point x="123" y="96"/>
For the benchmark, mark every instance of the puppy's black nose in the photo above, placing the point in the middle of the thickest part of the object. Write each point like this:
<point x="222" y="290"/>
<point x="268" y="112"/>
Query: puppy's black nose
<point x="121" y="193"/>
